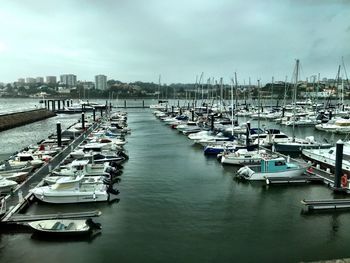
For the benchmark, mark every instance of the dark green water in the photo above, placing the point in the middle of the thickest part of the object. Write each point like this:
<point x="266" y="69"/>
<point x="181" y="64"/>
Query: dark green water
<point x="176" y="205"/>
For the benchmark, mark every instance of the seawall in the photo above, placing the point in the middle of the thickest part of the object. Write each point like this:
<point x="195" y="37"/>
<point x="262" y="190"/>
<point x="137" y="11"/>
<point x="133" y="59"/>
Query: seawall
<point x="12" y="120"/>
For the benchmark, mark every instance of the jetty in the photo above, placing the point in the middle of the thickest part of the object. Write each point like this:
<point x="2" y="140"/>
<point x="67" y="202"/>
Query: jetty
<point x="21" y="198"/>
<point x="15" y="119"/>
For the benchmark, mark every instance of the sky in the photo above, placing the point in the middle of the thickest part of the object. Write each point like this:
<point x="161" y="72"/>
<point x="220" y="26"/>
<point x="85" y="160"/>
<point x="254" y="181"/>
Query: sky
<point x="136" y="40"/>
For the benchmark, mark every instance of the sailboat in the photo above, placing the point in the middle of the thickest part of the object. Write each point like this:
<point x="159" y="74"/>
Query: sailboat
<point x="297" y="144"/>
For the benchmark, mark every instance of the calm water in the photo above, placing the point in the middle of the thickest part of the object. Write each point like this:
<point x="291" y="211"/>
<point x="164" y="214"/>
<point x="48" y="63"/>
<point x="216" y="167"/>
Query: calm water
<point x="176" y="205"/>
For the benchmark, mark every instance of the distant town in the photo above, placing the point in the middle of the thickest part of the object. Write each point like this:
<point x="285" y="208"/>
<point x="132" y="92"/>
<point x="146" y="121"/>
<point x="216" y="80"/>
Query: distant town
<point x="68" y="86"/>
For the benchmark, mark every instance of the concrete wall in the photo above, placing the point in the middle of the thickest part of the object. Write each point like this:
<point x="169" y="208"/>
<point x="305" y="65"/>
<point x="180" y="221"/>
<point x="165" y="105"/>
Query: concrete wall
<point x="11" y="120"/>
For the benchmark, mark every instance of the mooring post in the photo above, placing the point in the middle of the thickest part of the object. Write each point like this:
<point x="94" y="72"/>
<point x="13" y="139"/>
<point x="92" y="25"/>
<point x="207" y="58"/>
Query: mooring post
<point x="124" y="103"/>
<point x="247" y="133"/>
<point x="283" y="111"/>
<point x="172" y="109"/>
<point x="192" y="115"/>
<point x="94" y="114"/>
<point x="212" y="122"/>
<point x="59" y="104"/>
<point x="59" y="134"/>
<point x="110" y="106"/>
<point x="330" y="115"/>
<point x="180" y="109"/>
<point x="178" y="103"/>
<point x="67" y="103"/>
<point x="338" y="164"/>
<point x="83" y="120"/>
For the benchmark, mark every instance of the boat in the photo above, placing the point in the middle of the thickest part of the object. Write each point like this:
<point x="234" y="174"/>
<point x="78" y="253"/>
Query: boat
<point x="272" y="166"/>
<point x="7" y="186"/>
<point x="83" y="167"/>
<point x="64" y="226"/>
<point x="242" y="157"/>
<point x="340" y="125"/>
<point x="23" y="160"/>
<point x="326" y="157"/>
<point x="18" y="177"/>
<point x="67" y="190"/>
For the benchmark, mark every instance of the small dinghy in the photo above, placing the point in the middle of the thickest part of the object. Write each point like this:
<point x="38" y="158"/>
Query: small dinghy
<point x="64" y="226"/>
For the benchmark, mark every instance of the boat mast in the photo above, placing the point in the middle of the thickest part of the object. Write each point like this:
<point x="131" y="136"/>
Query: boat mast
<point x="159" y="86"/>
<point x="221" y="92"/>
<point x="232" y="108"/>
<point x="258" y="114"/>
<point x="295" y="97"/>
<point x="236" y="90"/>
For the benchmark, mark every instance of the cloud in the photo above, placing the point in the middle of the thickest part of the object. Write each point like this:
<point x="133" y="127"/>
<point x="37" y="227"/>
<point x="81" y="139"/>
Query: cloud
<point x="138" y="40"/>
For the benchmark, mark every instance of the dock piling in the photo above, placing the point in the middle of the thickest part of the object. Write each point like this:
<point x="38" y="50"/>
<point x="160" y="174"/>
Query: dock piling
<point x="338" y="164"/>
<point x="83" y="120"/>
<point x="94" y="114"/>
<point x="59" y="134"/>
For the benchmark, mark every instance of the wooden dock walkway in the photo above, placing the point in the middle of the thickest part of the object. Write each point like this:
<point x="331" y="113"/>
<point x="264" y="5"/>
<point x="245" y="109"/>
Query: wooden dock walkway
<point x="21" y="197"/>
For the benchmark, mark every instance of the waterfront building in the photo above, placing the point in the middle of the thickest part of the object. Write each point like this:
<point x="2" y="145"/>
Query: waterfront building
<point x="69" y="80"/>
<point x="39" y="80"/>
<point x="51" y="79"/>
<point x="21" y="80"/>
<point x="30" y="80"/>
<point x="101" y="82"/>
<point x="87" y="84"/>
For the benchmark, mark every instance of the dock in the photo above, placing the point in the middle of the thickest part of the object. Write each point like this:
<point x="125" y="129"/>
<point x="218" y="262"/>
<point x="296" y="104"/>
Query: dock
<point x="327" y="204"/>
<point x="304" y="179"/>
<point x="21" y="197"/>
<point x="15" y="119"/>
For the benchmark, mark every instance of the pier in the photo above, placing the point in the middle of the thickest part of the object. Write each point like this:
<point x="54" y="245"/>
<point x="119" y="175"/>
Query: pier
<point x="15" y="119"/>
<point x="21" y="197"/>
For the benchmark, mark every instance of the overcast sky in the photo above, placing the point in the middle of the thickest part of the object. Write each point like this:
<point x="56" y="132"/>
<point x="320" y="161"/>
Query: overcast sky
<point x="133" y="40"/>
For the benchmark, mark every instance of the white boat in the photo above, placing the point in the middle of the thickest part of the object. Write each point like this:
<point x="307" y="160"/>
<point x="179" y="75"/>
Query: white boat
<point x="326" y="157"/>
<point x="50" y="180"/>
<point x="22" y="159"/>
<point x="83" y="167"/>
<point x="242" y="157"/>
<point x="272" y="168"/>
<point x="15" y="176"/>
<point x="162" y="104"/>
<point x="6" y="185"/>
<point x="340" y="125"/>
<point x="67" y="190"/>
<point x="62" y="226"/>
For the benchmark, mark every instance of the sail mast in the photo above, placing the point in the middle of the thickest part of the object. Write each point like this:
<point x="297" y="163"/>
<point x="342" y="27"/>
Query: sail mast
<point x="295" y="96"/>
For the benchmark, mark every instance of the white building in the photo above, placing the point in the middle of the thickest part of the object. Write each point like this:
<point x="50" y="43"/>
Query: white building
<point x="30" y="80"/>
<point x="101" y="82"/>
<point x="69" y="80"/>
<point x="39" y="80"/>
<point x="51" y="79"/>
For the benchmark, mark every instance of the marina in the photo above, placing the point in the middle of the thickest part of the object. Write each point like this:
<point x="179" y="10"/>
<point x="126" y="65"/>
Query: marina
<point x="215" y="200"/>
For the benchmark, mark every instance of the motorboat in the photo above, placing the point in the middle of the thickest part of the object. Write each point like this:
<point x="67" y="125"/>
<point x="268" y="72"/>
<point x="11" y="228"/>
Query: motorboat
<point x="272" y="166"/>
<point x="67" y="190"/>
<point x="83" y="167"/>
<point x="18" y="177"/>
<point x="339" y="125"/>
<point x="6" y="185"/>
<point x="326" y="157"/>
<point x="64" y="226"/>
<point x="23" y="159"/>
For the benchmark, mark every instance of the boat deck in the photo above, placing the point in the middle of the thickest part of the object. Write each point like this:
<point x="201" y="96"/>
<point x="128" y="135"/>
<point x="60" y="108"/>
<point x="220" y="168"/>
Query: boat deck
<point x="20" y="198"/>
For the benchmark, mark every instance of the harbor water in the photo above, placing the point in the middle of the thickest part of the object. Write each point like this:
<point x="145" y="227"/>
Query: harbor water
<point x="177" y="205"/>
